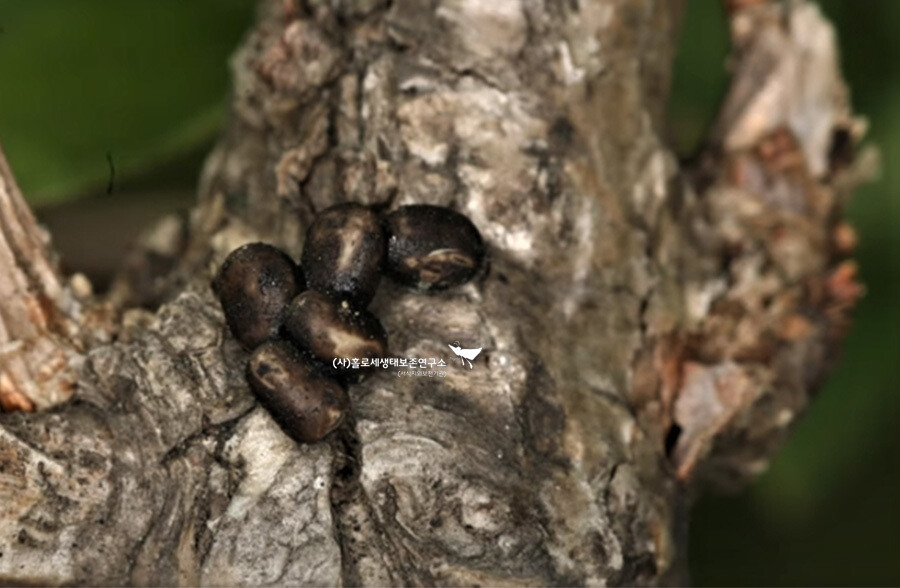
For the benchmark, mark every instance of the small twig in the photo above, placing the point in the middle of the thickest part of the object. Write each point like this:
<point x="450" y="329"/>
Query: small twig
<point x="112" y="173"/>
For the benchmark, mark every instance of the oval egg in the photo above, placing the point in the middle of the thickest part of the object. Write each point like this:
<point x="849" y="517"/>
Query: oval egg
<point x="305" y="403"/>
<point x="432" y="248"/>
<point x="329" y="330"/>
<point x="343" y="253"/>
<point x="255" y="285"/>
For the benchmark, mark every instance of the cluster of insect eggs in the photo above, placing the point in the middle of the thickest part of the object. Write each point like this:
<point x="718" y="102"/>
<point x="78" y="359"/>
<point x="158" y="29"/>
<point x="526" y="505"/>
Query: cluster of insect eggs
<point x="297" y="318"/>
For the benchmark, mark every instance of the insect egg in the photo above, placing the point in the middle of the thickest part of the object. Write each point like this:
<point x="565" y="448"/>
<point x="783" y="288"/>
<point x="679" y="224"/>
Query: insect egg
<point x="432" y="247"/>
<point x="343" y="253"/>
<point x="255" y="284"/>
<point x="305" y="403"/>
<point x="330" y="331"/>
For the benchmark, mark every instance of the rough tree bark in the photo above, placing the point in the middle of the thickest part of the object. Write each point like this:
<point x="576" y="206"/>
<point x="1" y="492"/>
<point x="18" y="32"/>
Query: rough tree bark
<point x="646" y="326"/>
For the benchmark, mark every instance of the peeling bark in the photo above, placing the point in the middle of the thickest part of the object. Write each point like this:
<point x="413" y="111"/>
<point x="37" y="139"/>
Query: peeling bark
<point x="38" y="314"/>
<point x="645" y="325"/>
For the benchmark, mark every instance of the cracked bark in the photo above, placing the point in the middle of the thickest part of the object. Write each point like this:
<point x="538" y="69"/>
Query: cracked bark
<point x="647" y="327"/>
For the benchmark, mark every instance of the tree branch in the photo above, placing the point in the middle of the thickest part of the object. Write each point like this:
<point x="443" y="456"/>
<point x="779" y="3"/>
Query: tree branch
<point x="38" y="316"/>
<point x="765" y="280"/>
<point x="624" y="296"/>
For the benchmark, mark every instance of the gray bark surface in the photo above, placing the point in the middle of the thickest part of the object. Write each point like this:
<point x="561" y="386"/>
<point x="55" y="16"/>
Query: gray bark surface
<point x="647" y="327"/>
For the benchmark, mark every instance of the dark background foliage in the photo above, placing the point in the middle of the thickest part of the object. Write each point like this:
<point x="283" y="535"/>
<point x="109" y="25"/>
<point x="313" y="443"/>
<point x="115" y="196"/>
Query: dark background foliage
<point x="141" y="86"/>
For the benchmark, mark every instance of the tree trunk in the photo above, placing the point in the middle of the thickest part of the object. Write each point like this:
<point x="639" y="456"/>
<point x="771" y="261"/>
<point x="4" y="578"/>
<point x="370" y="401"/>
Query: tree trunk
<point x="647" y="327"/>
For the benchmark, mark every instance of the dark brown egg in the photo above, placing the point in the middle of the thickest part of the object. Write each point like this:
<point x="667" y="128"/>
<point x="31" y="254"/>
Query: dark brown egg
<point x="305" y="403"/>
<point x="432" y="247"/>
<point x="344" y="252"/>
<point x="330" y="330"/>
<point x="255" y="285"/>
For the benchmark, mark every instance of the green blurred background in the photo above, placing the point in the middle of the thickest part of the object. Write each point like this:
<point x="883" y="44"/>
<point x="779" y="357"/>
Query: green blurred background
<point x="143" y="84"/>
